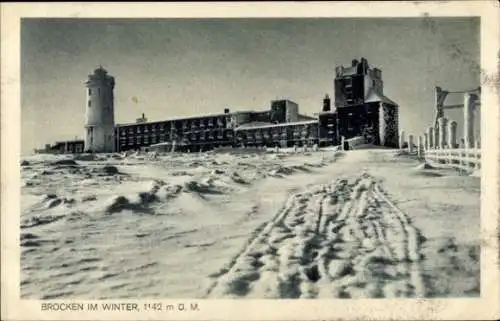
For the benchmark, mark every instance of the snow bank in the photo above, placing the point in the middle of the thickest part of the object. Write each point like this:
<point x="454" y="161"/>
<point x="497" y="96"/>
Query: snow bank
<point x="424" y="165"/>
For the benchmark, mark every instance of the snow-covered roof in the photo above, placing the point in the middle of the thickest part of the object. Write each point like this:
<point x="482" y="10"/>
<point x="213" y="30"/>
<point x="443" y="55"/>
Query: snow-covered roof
<point x="305" y="117"/>
<point x="256" y="124"/>
<point x="169" y="144"/>
<point x="181" y="118"/>
<point x="373" y="96"/>
<point x="267" y="125"/>
<point x="69" y="141"/>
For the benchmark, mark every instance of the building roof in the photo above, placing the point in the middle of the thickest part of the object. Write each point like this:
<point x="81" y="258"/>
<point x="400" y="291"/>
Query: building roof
<point x="187" y="118"/>
<point x="256" y="124"/>
<point x="283" y="100"/>
<point x="373" y="96"/>
<point x="268" y="125"/>
<point x="305" y="117"/>
<point x="331" y="111"/>
<point x="69" y="141"/>
<point x="169" y="144"/>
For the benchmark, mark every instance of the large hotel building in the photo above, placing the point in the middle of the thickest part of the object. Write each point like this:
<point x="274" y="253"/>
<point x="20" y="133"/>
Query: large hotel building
<point x="360" y="109"/>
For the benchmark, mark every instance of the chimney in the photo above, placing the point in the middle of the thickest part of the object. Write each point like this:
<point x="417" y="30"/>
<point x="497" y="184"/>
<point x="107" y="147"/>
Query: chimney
<point x="142" y="119"/>
<point x="326" y="103"/>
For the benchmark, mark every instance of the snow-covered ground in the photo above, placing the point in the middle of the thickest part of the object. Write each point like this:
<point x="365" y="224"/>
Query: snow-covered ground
<point x="361" y="223"/>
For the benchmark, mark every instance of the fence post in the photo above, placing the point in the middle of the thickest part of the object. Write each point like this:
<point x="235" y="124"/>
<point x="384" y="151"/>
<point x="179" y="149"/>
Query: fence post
<point x="426" y="141"/>
<point x="419" y="146"/>
<point x="401" y="139"/>
<point x="430" y="133"/>
<point x="436" y="137"/>
<point x="342" y="142"/>
<point x="469" y="102"/>
<point x="477" y="155"/>
<point x="452" y="134"/>
<point x="410" y="144"/>
<point x="443" y="121"/>
<point x="460" y="158"/>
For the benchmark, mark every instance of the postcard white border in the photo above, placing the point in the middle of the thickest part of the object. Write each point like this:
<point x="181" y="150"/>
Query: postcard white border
<point x="487" y="307"/>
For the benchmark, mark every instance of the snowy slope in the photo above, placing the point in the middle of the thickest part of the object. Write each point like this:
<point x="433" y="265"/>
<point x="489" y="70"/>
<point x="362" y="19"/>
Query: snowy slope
<point x="364" y="223"/>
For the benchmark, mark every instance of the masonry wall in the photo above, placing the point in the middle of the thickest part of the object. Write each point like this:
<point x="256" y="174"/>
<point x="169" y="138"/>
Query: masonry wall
<point x="389" y="125"/>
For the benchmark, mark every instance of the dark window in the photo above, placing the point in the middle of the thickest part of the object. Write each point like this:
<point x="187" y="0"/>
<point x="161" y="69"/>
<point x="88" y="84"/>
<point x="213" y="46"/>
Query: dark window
<point x="90" y="91"/>
<point x="90" y="103"/>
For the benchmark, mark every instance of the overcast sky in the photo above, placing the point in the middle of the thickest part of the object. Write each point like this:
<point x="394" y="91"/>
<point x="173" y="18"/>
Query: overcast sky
<point x="184" y="67"/>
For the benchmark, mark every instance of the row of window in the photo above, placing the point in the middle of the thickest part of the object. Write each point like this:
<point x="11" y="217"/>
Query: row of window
<point x="282" y="131"/>
<point x="159" y="139"/>
<point x="265" y="133"/>
<point x="294" y="134"/>
<point x="254" y="139"/>
<point x="145" y="142"/>
<point x="75" y="148"/>
<point x="168" y="135"/>
<point x="161" y="128"/>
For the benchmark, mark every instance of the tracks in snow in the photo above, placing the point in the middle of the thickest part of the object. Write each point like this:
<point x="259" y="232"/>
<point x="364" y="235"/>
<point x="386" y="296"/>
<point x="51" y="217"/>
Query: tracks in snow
<point x="343" y="240"/>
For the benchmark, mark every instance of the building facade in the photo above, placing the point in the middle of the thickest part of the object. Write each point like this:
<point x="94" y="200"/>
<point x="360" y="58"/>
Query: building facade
<point x="195" y="133"/>
<point x="63" y="147"/>
<point x="361" y="106"/>
<point x="360" y="109"/>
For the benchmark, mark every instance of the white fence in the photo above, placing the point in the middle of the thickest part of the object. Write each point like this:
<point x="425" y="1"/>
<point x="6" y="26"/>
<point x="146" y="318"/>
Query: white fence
<point x="439" y="144"/>
<point x="463" y="158"/>
<point x="439" y="148"/>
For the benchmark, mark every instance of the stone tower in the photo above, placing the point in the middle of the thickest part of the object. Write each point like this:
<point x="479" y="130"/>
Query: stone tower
<point x="100" y="122"/>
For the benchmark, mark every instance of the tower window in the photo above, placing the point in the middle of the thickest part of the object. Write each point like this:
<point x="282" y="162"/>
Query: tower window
<point x="99" y="91"/>
<point x="90" y="103"/>
<point x="90" y="91"/>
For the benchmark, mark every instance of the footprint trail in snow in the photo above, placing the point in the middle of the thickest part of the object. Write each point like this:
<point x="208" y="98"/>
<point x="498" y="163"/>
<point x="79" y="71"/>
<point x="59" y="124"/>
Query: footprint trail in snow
<point x="342" y="240"/>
